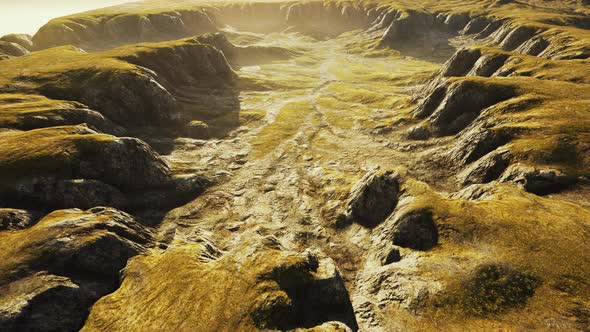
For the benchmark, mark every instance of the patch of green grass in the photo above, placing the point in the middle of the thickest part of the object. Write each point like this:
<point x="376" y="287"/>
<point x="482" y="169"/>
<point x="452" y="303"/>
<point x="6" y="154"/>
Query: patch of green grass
<point x="286" y="124"/>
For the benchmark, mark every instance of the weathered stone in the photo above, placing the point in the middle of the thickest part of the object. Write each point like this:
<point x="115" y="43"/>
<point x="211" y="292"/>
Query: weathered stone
<point x="486" y="169"/>
<point x="487" y="65"/>
<point x="463" y="102"/>
<point x="83" y="252"/>
<point x="517" y="37"/>
<point x="418" y="133"/>
<point x="14" y="219"/>
<point x="373" y="198"/>
<point x="461" y="62"/>
<point x="533" y="46"/>
<point x="390" y="255"/>
<point x="537" y="180"/>
<point x="416" y="230"/>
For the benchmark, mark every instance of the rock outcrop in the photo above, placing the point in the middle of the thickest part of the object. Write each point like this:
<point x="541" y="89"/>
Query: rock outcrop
<point x="52" y="272"/>
<point x="84" y="170"/>
<point x="463" y="101"/>
<point x="538" y="180"/>
<point x="415" y="230"/>
<point x="372" y="199"/>
<point x="278" y="289"/>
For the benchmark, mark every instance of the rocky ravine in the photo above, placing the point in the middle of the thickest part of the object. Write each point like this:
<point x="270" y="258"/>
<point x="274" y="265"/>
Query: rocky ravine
<point x="321" y="166"/>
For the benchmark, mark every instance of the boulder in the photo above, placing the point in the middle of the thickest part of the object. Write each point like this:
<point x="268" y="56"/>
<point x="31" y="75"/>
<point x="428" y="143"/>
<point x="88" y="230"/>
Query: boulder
<point x="373" y="198"/>
<point x="416" y="230"/>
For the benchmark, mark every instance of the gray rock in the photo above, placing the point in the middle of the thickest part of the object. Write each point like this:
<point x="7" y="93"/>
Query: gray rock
<point x="461" y="62"/>
<point x="463" y="103"/>
<point x="540" y="181"/>
<point x="45" y="302"/>
<point x="52" y="193"/>
<point x="418" y="133"/>
<point x="84" y="251"/>
<point x="533" y="46"/>
<point x="486" y="169"/>
<point x="476" y="25"/>
<point x="373" y="198"/>
<point x="416" y="230"/>
<point x="390" y="255"/>
<point x="127" y="163"/>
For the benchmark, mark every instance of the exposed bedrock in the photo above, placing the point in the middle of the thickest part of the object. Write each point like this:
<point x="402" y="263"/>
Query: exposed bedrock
<point x="415" y="230"/>
<point x="76" y="167"/>
<point x="538" y="180"/>
<point x="486" y="169"/>
<point x="327" y="18"/>
<point x="454" y="106"/>
<point x="517" y="37"/>
<point x="476" y="142"/>
<point x="132" y="98"/>
<point x="52" y="272"/>
<point x="476" y="25"/>
<point x="533" y="46"/>
<point x="372" y="199"/>
<point x="270" y="287"/>
<point x="461" y="63"/>
<point x="27" y="112"/>
<point x="474" y="62"/>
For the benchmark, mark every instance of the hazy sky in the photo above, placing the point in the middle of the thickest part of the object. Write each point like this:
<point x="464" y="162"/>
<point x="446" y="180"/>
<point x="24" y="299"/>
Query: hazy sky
<point x="27" y="16"/>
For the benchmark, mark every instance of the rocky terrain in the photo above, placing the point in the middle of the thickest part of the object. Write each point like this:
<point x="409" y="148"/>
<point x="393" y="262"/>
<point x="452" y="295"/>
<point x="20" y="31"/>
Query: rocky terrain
<point x="298" y="166"/>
